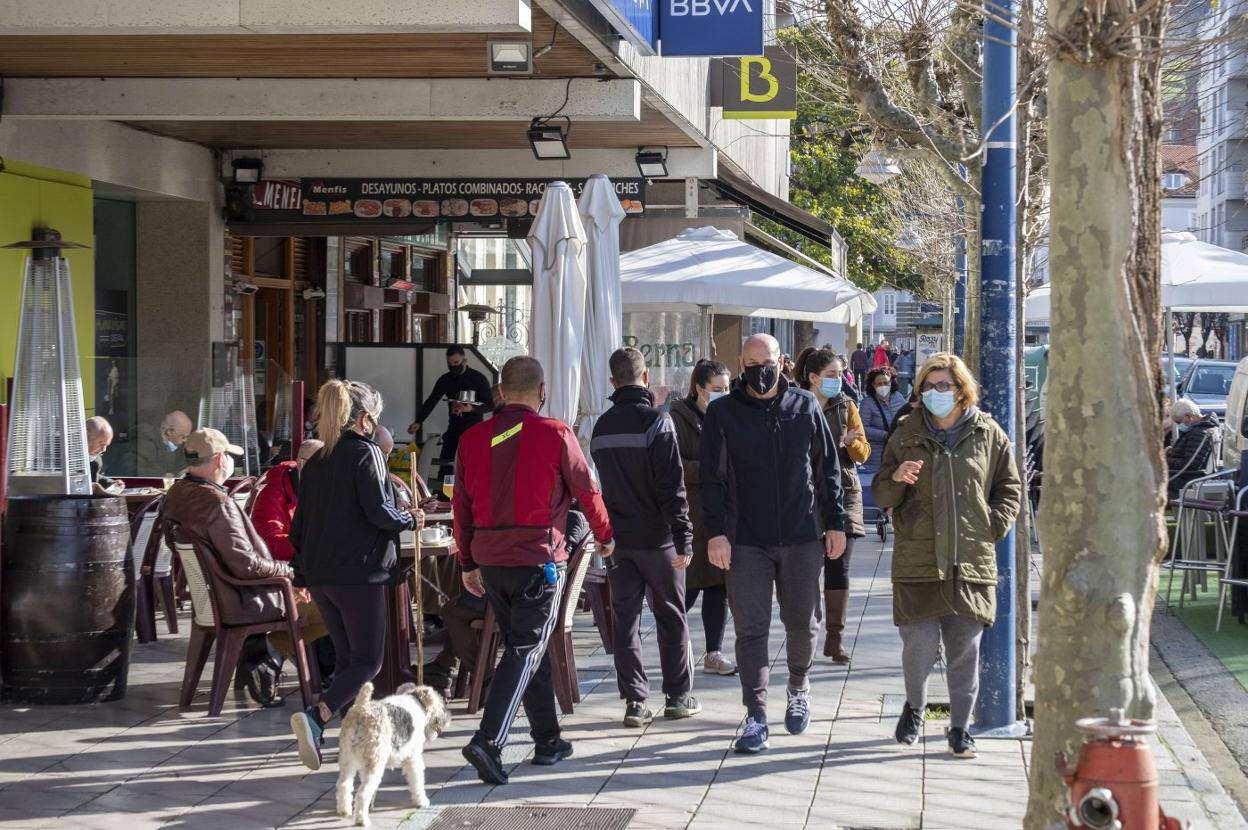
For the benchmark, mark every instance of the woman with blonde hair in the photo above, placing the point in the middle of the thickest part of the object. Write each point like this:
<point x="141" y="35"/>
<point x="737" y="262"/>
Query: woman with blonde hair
<point x="345" y="534"/>
<point x="948" y="474"/>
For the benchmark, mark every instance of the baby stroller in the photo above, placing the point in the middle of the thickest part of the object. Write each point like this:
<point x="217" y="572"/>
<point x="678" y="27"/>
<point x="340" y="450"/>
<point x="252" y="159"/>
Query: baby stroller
<point x="872" y="513"/>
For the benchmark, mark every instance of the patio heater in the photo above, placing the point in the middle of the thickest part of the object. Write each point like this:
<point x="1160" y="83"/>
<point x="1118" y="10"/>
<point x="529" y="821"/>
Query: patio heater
<point x="47" y="423"/>
<point x="477" y="312"/>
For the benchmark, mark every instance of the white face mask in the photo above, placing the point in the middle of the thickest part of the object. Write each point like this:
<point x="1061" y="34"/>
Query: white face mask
<point x="229" y="466"/>
<point x="883" y="391"/>
<point x="169" y="445"/>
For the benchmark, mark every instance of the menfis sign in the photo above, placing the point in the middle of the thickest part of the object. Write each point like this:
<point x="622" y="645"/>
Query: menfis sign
<point x="711" y="28"/>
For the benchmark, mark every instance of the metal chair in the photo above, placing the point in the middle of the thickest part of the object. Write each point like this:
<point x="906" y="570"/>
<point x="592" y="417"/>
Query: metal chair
<point x="1211" y="495"/>
<point x="1228" y="578"/>
<point x="206" y="577"/>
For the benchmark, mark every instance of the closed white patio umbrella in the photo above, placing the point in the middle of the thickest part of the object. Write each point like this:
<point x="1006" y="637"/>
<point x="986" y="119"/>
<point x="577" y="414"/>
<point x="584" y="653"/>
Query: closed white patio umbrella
<point x="704" y="267"/>
<point x="601" y="214"/>
<point x="559" y="286"/>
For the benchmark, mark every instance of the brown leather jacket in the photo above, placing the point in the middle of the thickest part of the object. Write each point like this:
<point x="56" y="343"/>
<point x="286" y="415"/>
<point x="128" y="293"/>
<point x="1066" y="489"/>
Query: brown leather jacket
<point x="207" y="509"/>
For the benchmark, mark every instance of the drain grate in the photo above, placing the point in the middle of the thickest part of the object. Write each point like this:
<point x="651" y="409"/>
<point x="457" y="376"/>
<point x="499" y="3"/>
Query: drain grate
<point x="533" y="818"/>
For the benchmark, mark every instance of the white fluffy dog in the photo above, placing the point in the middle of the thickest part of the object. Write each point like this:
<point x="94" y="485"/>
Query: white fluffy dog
<point x="387" y="733"/>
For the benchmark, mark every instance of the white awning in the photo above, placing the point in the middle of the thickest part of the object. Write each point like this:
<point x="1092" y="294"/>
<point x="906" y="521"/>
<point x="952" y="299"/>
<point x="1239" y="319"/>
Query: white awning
<point x="712" y="267"/>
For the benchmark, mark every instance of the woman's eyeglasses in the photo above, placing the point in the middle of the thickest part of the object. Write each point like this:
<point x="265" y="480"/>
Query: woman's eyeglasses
<point x="940" y="386"/>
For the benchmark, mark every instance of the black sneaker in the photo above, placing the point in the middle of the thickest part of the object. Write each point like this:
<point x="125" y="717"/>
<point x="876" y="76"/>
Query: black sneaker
<point x="681" y="706"/>
<point x="961" y="744"/>
<point x="549" y="753"/>
<point x="909" y="725"/>
<point x="486" y="759"/>
<point x="636" y="714"/>
<point x="262" y="681"/>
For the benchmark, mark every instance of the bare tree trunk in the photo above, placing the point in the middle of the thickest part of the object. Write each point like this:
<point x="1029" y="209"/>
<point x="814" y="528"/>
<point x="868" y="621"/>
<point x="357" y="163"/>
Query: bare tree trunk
<point x="1102" y="518"/>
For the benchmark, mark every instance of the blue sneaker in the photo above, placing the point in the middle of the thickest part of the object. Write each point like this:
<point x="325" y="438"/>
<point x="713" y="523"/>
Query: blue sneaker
<point x="753" y="737"/>
<point x="310" y="735"/>
<point x="797" y="713"/>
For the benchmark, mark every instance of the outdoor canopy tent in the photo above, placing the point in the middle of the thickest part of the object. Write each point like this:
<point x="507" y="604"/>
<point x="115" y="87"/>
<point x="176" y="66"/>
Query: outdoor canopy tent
<point x="1195" y="276"/>
<point x="709" y="267"/>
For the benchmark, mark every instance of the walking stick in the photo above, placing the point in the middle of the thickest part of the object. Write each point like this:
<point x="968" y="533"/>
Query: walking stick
<point x="420" y="606"/>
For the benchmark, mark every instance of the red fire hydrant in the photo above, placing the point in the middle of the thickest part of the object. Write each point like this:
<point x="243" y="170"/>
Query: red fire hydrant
<point x="1114" y="786"/>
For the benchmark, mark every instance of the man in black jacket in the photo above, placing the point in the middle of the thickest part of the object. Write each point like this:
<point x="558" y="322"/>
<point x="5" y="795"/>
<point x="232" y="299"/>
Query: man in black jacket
<point x="634" y="448"/>
<point x="459" y="377"/>
<point x="772" y="503"/>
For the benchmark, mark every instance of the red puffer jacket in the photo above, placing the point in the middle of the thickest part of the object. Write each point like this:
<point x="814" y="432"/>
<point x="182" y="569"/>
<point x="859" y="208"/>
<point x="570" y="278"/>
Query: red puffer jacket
<point x="274" y="508"/>
<point x="515" y="477"/>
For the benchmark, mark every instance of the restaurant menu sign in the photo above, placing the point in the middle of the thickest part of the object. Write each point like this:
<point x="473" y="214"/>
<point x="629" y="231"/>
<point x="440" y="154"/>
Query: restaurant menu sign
<point x="455" y="199"/>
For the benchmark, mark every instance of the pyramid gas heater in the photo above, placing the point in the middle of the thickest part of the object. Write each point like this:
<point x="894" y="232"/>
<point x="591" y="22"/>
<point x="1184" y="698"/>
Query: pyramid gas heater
<point x="47" y="425"/>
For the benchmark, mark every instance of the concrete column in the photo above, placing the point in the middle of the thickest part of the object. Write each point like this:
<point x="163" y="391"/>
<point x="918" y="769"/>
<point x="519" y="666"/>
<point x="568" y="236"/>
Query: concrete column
<point x="180" y="294"/>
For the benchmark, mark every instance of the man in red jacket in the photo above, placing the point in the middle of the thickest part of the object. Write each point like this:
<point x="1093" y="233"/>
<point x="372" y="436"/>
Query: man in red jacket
<point x="515" y="477"/>
<point x="275" y="504"/>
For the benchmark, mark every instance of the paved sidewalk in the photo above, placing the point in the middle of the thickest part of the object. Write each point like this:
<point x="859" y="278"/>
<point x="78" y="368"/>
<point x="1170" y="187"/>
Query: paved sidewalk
<point x="143" y="763"/>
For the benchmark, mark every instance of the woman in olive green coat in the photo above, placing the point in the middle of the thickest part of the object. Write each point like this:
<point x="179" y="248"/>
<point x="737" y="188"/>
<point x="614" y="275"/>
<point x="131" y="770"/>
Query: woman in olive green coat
<point x="948" y="474"/>
<point x="709" y="381"/>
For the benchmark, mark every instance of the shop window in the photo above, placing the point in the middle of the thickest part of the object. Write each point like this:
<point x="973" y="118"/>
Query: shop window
<point x="422" y="273"/>
<point x="357" y="265"/>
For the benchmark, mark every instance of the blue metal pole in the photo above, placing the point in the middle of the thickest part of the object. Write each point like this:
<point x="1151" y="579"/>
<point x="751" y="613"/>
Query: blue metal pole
<point x="959" y="290"/>
<point x="995" y="709"/>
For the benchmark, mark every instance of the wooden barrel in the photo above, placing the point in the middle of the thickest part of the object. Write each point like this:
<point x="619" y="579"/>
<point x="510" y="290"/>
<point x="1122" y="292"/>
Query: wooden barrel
<point x="66" y="600"/>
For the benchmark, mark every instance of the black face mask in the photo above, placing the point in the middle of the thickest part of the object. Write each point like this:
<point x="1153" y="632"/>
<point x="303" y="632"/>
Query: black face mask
<point x="457" y="370"/>
<point x="761" y="377"/>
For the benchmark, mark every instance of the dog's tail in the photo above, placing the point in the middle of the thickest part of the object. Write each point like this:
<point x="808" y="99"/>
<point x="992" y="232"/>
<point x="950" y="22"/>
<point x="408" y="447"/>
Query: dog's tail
<point x="365" y="696"/>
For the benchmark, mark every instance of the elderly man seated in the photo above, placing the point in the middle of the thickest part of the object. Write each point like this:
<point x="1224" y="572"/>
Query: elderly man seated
<point x="200" y="503"/>
<point x="161" y="454"/>
<point x="99" y="436"/>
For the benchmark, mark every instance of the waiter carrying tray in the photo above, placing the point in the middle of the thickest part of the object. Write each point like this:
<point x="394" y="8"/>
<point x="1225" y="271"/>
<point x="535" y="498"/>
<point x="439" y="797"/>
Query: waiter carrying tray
<point x="459" y="378"/>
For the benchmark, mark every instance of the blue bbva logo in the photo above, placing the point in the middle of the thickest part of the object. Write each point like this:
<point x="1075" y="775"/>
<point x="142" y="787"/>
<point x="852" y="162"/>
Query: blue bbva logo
<point x="703" y="8"/>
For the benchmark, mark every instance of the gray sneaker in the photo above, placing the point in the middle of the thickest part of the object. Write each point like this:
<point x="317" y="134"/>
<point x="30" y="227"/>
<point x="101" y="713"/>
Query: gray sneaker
<point x="681" y="706"/>
<point x="636" y="714"/>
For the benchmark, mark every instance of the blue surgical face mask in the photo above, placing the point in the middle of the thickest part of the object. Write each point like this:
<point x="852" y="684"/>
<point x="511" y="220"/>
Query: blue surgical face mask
<point x="711" y="397"/>
<point x="940" y="404"/>
<point x="830" y="387"/>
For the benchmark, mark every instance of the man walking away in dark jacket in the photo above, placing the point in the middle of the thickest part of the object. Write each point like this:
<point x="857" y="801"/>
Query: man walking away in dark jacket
<point x="634" y="448"/>
<point x="860" y="363"/>
<point x="515" y="479"/>
<point x="773" y="506"/>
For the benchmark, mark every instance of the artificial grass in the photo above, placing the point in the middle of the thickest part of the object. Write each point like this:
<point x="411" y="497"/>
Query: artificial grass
<point x="1230" y="645"/>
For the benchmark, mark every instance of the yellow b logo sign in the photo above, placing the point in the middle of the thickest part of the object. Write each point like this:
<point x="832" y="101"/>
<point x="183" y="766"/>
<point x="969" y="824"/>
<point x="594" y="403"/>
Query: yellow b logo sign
<point x="763" y="65"/>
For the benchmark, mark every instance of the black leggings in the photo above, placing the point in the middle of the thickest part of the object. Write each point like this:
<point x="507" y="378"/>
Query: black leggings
<point x="836" y="571"/>
<point x="356" y="618"/>
<point x="714" y="613"/>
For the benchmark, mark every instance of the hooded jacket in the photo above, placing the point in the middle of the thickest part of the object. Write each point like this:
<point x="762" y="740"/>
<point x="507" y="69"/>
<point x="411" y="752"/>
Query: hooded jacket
<point x="346" y="526"/>
<point x="274" y="508"/>
<point x="770" y="474"/>
<point x="967" y="497"/>
<point x="634" y="448"/>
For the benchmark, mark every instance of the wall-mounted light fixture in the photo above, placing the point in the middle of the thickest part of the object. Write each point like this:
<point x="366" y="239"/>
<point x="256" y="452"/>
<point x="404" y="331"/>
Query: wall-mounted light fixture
<point x="652" y="164"/>
<point x="509" y="57"/>
<point x="549" y="141"/>
<point x="247" y="170"/>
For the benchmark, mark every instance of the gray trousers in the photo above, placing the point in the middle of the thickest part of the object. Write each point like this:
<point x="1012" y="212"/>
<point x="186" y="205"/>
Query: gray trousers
<point x="793" y="571"/>
<point x="920" y="646"/>
<point x="634" y="574"/>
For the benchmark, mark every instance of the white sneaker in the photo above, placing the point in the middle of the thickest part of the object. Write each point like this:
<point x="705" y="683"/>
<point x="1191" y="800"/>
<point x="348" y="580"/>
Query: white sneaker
<point x="717" y="663"/>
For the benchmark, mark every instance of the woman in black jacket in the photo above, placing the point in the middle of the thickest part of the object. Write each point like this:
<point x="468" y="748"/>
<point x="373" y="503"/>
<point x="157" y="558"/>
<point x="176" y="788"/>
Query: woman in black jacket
<point x="345" y="533"/>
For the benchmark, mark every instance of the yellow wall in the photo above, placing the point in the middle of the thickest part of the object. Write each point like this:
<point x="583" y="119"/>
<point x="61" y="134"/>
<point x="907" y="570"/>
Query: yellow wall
<point x="33" y="197"/>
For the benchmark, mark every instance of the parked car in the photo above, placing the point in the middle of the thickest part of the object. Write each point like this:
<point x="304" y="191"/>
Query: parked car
<point x="1207" y="383"/>
<point x="1235" y="427"/>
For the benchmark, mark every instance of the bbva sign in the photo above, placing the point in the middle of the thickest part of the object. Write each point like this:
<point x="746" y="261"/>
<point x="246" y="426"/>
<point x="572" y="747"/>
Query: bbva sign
<point x="711" y="28"/>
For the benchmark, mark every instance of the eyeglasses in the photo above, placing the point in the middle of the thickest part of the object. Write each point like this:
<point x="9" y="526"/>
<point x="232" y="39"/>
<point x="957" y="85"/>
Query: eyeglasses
<point x="940" y="386"/>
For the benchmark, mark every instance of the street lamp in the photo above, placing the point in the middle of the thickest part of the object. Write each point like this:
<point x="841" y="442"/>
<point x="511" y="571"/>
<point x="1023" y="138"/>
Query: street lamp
<point x="877" y="168"/>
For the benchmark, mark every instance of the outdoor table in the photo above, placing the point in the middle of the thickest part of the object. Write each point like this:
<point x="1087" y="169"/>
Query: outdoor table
<point x="396" y="667"/>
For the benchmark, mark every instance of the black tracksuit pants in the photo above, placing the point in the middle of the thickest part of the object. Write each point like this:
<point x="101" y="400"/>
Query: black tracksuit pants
<point x="527" y="610"/>
<point x="631" y="573"/>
